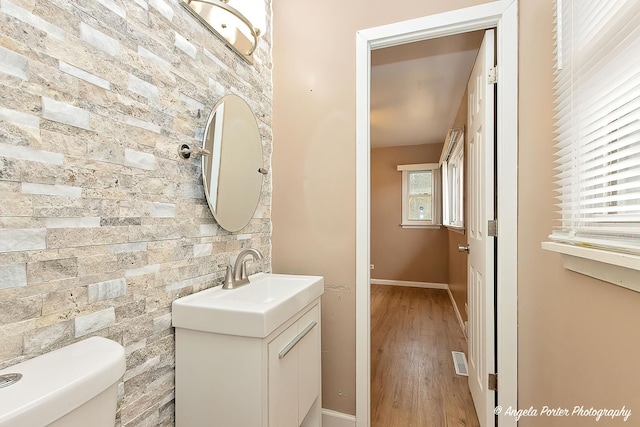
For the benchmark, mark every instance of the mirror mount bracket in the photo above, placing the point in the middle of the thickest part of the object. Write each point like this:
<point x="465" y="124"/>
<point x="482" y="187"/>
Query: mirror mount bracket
<point x="185" y="151"/>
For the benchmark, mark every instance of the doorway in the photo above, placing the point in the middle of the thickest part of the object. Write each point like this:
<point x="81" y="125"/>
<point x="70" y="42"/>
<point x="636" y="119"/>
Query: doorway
<point x="503" y="16"/>
<point x="419" y="109"/>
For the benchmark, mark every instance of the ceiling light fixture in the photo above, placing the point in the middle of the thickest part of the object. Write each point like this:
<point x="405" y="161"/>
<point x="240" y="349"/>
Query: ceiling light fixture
<point x="238" y="23"/>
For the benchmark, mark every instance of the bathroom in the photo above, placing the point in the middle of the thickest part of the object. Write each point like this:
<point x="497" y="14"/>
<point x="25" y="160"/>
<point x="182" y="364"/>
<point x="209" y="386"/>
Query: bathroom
<point x="104" y="225"/>
<point x="97" y="96"/>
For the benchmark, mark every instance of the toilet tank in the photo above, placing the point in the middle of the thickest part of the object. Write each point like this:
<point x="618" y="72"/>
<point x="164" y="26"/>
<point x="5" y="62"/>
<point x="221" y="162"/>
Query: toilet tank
<point x="73" y="386"/>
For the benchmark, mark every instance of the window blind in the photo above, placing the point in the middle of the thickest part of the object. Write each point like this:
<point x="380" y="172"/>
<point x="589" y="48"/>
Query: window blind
<point x="597" y="88"/>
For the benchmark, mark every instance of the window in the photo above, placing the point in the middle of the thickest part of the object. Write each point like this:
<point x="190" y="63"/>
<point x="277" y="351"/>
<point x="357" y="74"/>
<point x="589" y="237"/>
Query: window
<point x="598" y="130"/>
<point x="452" y="165"/>
<point x="420" y="195"/>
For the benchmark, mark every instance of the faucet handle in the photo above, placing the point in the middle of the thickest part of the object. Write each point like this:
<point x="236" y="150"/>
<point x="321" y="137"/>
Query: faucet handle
<point x="228" y="278"/>
<point x="243" y="270"/>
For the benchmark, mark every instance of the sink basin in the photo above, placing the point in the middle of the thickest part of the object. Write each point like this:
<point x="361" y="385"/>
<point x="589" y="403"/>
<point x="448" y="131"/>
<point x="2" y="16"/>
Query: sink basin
<point x="253" y="310"/>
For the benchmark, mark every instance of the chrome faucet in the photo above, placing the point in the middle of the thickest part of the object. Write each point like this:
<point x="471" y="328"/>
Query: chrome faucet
<point x="237" y="276"/>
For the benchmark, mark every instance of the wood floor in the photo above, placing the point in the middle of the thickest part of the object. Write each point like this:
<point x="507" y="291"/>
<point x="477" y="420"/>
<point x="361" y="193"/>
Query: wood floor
<point x="413" y="381"/>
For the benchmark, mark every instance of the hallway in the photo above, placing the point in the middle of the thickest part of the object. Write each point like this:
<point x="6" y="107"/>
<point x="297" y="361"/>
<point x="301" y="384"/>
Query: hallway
<point x="413" y="381"/>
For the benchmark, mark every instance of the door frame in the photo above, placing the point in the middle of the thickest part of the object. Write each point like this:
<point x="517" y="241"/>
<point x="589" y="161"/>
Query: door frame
<point x="502" y="15"/>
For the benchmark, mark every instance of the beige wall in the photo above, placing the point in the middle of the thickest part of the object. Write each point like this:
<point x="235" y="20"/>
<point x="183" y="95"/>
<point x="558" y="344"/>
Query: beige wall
<point x="314" y="159"/>
<point x="411" y="254"/>
<point x="578" y="339"/>
<point x="458" y="271"/>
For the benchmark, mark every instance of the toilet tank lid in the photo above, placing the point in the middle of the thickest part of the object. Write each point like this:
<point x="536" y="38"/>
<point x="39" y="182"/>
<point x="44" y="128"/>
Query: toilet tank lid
<point x="58" y="382"/>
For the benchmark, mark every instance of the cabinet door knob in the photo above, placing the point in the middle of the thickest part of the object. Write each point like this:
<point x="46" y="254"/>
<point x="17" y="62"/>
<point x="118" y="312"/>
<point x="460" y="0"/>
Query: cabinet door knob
<point x="463" y="248"/>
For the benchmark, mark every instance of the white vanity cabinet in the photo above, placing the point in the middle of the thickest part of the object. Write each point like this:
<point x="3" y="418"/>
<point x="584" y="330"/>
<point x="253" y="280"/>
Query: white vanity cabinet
<point x="228" y="380"/>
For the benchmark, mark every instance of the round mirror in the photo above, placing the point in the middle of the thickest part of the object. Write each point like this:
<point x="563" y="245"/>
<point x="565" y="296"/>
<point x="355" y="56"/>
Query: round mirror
<point x="232" y="174"/>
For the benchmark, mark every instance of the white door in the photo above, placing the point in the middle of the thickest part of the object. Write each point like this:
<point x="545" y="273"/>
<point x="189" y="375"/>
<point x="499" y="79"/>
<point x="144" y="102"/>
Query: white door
<point x="480" y="285"/>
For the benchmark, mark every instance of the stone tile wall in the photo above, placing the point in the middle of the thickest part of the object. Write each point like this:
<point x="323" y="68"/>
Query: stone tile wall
<point x="102" y="225"/>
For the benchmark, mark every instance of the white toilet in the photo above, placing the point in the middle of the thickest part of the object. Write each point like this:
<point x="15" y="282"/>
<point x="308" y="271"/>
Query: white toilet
<point x="75" y="386"/>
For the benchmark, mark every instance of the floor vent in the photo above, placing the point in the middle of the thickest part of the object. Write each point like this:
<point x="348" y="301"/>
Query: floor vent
<point x="460" y="363"/>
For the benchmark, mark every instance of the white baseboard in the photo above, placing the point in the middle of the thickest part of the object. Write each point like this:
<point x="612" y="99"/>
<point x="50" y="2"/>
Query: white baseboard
<point x="337" y="419"/>
<point x="458" y="316"/>
<point x="412" y="284"/>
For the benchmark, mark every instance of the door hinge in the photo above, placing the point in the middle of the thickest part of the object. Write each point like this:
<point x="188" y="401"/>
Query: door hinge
<point x="493" y="382"/>
<point x="492" y="228"/>
<point x="493" y="75"/>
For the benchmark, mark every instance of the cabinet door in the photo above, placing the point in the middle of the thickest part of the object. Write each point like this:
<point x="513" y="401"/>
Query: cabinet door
<point x="294" y="371"/>
<point x="308" y="362"/>
<point x="283" y="380"/>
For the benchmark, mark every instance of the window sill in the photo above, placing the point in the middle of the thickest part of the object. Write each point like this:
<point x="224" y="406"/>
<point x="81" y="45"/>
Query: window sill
<point x="420" y="226"/>
<point x="613" y="267"/>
